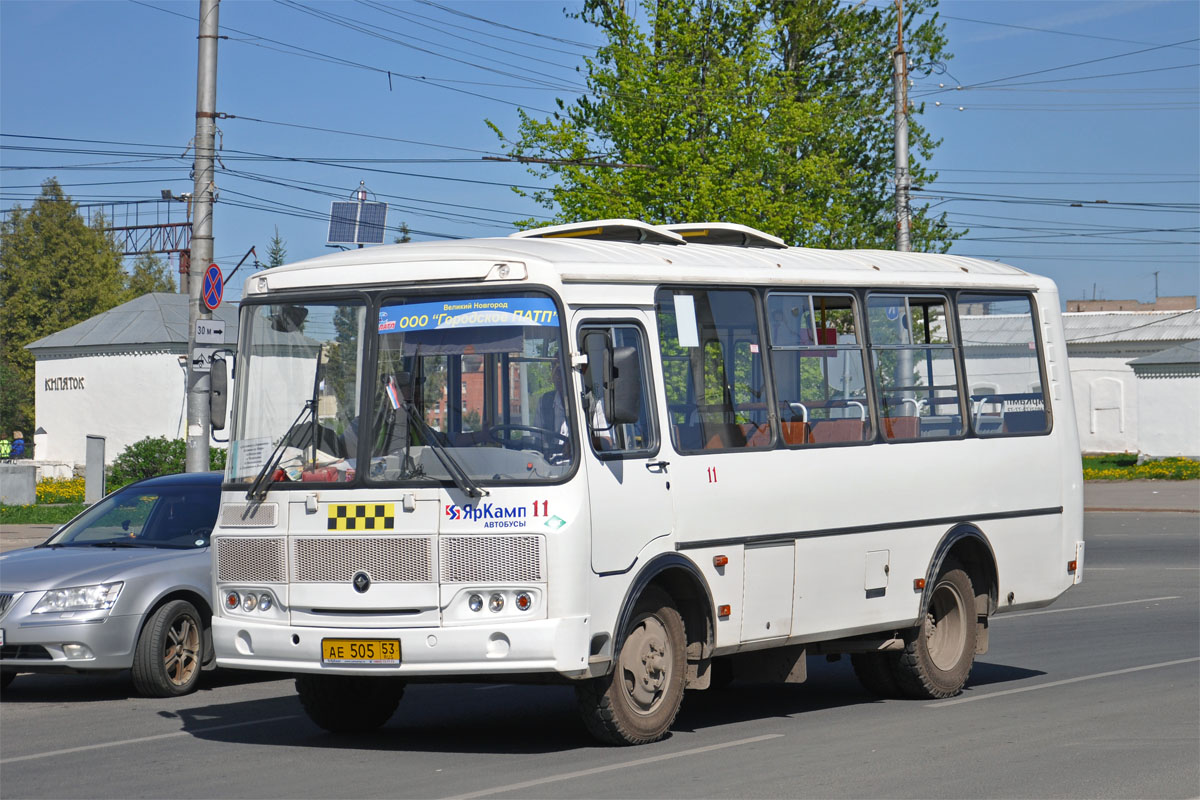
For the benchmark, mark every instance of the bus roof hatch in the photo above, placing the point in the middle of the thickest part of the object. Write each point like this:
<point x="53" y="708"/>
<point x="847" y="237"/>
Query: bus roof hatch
<point x="609" y="230"/>
<point x="725" y="233"/>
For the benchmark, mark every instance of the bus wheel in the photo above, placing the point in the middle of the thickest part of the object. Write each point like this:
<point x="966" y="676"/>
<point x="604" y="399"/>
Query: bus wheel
<point x="876" y="672"/>
<point x="349" y="703"/>
<point x="637" y="701"/>
<point x="937" y="658"/>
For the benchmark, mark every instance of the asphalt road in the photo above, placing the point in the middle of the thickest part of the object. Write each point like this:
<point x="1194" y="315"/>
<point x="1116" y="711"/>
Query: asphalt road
<point x="1095" y="696"/>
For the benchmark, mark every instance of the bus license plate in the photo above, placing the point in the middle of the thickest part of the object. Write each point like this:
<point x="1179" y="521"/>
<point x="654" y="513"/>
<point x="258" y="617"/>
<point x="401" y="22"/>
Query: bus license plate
<point x="360" y="651"/>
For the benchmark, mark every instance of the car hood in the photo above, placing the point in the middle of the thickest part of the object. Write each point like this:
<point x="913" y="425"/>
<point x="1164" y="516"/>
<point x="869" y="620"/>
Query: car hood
<point x="52" y="567"/>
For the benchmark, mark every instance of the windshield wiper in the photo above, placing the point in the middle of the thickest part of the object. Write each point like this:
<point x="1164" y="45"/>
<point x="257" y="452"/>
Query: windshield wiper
<point x="116" y="543"/>
<point x="258" y="489"/>
<point x="457" y="474"/>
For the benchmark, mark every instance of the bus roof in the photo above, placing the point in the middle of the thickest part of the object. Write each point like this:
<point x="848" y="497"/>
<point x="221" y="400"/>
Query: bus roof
<point x="586" y="260"/>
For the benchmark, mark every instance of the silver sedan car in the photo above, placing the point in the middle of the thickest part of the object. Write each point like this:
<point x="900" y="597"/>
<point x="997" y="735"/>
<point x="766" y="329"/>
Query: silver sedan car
<point x="125" y="585"/>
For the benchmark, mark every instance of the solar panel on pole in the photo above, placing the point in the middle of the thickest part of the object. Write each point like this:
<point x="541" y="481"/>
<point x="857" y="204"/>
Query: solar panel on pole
<point x="343" y="222"/>
<point x="371" y="218"/>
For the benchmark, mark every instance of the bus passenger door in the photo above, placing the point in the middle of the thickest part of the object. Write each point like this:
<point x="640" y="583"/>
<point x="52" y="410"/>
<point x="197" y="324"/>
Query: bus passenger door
<point x="627" y="479"/>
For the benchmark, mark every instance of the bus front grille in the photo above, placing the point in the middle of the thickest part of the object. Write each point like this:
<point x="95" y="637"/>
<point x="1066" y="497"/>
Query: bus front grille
<point x="491" y="559"/>
<point x="251" y="559"/>
<point x="390" y="559"/>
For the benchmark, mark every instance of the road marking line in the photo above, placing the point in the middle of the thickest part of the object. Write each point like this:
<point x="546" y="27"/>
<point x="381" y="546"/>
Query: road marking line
<point x="1083" y="608"/>
<point x="566" y="776"/>
<point x="990" y="695"/>
<point x="1190" y="568"/>
<point x="140" y="739"/>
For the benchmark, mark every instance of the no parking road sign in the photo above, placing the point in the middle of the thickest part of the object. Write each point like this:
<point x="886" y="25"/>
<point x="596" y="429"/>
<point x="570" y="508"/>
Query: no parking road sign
<point x="213" y="287"/>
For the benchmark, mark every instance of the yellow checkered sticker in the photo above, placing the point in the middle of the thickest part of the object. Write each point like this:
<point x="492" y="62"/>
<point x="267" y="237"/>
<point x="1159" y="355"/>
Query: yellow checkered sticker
<point x="362" y="517"/>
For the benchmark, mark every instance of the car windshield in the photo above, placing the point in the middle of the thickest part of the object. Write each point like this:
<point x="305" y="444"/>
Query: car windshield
<point x="152" y="516"/>
<point x="472" y="382"/>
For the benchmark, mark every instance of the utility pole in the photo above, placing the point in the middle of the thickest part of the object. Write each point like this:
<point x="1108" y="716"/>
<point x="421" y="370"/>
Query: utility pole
<point x="903" y="180"/>
<point x="904" y="360"/>
<point x="203" y="191"/>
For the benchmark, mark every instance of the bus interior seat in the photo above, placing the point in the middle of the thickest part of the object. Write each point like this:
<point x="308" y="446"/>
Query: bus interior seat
<point x="838" y="430"/>
<point x="756" y="435"/>
<point x="796" y="432"/>
<point x="901" y="427"/>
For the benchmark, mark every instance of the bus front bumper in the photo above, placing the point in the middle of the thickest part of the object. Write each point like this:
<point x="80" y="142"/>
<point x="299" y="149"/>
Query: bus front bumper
<point x="552" y="645"/>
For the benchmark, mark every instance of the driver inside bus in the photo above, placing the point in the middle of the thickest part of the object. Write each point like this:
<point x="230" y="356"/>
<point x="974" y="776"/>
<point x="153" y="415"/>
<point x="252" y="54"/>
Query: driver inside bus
<point x="552" y="416"/>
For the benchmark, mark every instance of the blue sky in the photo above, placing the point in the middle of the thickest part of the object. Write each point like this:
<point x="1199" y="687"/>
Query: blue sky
<point x="101" y="95"/>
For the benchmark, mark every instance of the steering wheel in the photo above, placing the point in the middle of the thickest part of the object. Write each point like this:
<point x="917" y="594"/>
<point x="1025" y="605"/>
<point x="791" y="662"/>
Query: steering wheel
<point x="549" y="441"/>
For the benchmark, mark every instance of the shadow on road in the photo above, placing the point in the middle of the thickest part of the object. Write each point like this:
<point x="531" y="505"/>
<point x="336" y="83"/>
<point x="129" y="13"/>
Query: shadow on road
<point x="530" y="720"/>
<point x="33" y="687"/>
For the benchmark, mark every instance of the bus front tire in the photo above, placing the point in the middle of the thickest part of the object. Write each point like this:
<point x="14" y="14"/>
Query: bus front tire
<point x="636" y="703"/>
<point x="938" y="653"/>
<point x="349" y="703"/>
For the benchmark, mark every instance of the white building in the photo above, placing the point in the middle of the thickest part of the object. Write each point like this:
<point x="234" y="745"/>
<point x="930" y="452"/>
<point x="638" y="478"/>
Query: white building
<point x="1168" y="402"/>
<point x="121" y="375"/>
<point x="1100" y="346"/>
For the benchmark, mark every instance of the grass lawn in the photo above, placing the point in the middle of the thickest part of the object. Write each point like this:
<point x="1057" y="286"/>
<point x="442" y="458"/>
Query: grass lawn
<point x="1124" y="467"/>
<point x="39" y="514"/>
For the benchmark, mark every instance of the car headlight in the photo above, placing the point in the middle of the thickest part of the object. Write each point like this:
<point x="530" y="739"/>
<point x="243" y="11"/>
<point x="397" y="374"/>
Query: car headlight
<point x="96" y="597"/>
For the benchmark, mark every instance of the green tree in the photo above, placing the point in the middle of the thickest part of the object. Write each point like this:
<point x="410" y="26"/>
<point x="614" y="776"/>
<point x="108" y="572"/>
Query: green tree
<point x="404" y="237"/>
<point x="149" y="274"/>
<point x="154" y="456"/>
<point x="276" y="251"/>
<point x="55" y="271"/>
<point x="770" y="113"/>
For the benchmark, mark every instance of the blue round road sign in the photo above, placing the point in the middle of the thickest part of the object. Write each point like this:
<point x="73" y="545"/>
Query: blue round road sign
<point x="213" y="288"/>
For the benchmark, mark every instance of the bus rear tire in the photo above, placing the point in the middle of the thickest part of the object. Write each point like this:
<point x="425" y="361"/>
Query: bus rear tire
<point x="636" y="703"/>
<point x="876" y="672"/>
<point x="939" y="652"/>
<point x="349" y="703"/>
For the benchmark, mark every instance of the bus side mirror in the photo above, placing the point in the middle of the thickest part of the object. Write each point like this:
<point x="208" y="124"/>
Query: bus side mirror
<point x="218" y="393"/>
<point x="625" y="387"/>
<point x="613" y="375"/>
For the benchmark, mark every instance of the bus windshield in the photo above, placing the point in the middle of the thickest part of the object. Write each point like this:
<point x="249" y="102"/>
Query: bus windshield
<point x="298" y="392"/>
<point x="471" y="383"/>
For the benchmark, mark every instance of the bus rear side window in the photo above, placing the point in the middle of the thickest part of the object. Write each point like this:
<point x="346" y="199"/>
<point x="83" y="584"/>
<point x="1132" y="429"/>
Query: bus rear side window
<point x="999" y="344"/>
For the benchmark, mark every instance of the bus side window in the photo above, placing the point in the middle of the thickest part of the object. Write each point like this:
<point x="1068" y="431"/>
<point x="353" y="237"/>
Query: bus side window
<point x="913" y="367"/>
<point x="712" y="368"/>
<point x="627" y="438"/>
<point x="1000" y="352"/>
<point x="817" y="358"/>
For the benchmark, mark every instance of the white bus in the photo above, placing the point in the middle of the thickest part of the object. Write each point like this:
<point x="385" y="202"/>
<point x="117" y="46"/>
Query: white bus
<point x="640" y="460"/>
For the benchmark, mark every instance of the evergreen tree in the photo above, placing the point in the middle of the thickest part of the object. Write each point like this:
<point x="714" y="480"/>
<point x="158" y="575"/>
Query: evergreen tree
<point x="55" y="271"/>
<point x="770" y="113"/>
<point x="149" y="274"/>
<point x="277" y="251"/>
<point x="404" y="237"/>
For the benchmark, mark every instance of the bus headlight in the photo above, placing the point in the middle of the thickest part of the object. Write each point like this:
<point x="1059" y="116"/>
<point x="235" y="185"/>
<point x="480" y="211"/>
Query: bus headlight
<point x="475" y="602"/>
<point x="496" y="603"/>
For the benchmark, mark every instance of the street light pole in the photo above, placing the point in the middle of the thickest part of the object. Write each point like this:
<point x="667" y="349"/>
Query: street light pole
<point x="203" y="195"/>
<point x="903" y="179"/>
